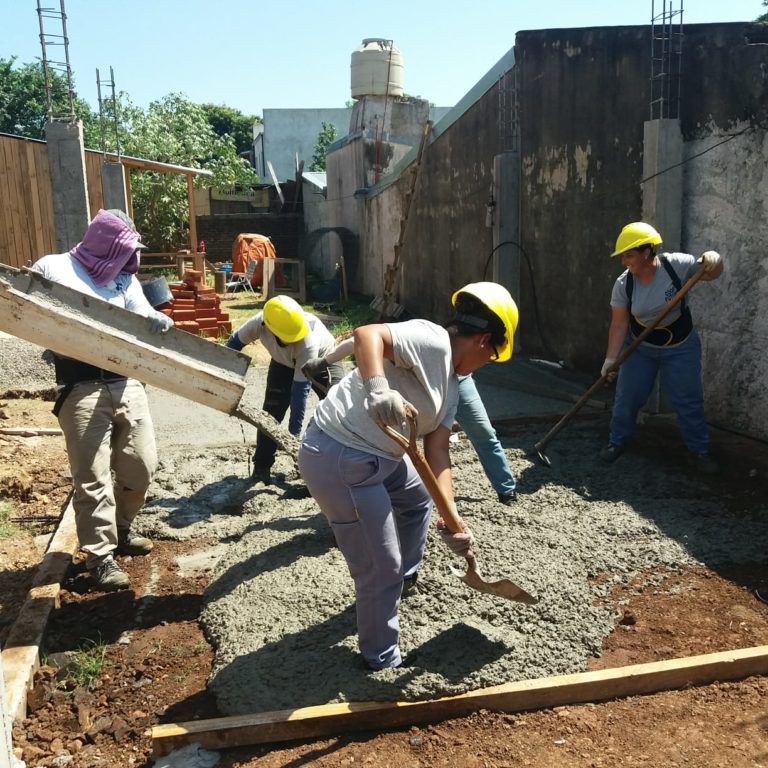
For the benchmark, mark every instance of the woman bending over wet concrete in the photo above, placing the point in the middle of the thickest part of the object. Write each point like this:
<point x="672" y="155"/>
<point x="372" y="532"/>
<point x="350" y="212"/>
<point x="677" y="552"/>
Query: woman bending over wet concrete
<point x="292" y="337"/>
<point x="366" y="486"/>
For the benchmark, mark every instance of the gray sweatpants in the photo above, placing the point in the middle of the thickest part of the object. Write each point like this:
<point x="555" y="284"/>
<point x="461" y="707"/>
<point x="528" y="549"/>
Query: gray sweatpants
<point x="379" y="511"/>
<point x="107" y="428"/>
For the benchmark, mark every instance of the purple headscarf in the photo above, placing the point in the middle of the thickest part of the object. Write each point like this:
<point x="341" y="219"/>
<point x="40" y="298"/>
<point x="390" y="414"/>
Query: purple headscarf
<point x="108" y="248"/>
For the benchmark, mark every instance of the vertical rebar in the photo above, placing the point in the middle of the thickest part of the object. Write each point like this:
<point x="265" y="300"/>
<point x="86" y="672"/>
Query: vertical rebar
<point x="114" y="113"/>
<point x="101" y="113"/>
<point x="47" y="39"/>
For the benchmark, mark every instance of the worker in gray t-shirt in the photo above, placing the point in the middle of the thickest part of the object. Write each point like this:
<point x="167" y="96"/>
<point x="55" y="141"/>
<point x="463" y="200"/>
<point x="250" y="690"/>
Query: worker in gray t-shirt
<point x="369" y="490"/>
<point x="673" y="350"/>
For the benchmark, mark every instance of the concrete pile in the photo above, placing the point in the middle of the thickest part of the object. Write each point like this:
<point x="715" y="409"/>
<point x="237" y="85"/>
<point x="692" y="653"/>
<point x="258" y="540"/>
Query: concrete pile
<point x="196" y="308"/>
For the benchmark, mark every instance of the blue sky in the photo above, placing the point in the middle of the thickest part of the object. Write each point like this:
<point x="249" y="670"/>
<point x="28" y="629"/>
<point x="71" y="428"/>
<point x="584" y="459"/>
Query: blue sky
<point x="252" y="55"/>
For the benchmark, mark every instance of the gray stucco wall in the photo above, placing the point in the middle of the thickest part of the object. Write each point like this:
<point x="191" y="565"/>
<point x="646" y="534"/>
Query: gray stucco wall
<point x="584" y="97"/>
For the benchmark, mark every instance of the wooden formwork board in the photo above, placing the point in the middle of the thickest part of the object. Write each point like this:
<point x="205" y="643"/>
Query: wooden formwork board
<point x="76" y="325"/>
<point x="336" y="719"/>
<point x="22" y="647"/>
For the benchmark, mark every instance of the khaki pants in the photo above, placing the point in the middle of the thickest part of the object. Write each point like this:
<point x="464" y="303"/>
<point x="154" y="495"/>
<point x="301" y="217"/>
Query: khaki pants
<point x="108" y="431"/>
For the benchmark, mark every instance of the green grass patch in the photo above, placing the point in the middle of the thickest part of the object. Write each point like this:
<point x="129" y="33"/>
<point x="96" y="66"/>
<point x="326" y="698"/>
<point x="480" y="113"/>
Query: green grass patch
<point x="7" y="528"/>
<point x="88" y="662"/>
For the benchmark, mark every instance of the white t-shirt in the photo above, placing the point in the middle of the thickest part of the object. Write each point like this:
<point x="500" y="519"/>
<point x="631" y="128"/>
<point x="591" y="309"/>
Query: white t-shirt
<point x="62" y="268"/>
<point x="422" y="373"/>
<point x="649" y="300"/>
<point x="317" y="343"/>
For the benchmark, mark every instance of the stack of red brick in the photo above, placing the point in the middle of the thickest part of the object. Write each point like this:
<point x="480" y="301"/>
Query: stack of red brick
<point x="196" y="308"/>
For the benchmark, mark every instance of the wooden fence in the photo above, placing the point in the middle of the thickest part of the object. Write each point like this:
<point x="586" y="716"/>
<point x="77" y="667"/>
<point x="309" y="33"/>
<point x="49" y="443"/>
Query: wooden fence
<point x="27" y="231"/>
<point x="26" y="207"/>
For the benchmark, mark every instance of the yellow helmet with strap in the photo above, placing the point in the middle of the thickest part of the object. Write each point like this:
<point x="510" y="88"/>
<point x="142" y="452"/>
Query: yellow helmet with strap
<point x="635" y="235"/>
<point x="285" y="318"/>
<point x="497" y="300"/>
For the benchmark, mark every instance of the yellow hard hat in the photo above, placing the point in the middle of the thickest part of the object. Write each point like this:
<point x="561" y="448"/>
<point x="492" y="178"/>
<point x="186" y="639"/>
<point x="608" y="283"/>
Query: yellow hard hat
<point x="496" y="298"/>
<point x="634" y="235"/>
<point x="285" y="318"/>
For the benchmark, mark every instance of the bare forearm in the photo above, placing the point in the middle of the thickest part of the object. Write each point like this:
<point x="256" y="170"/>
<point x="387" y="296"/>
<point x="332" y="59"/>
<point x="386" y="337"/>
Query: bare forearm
<point x="372" y="343"/>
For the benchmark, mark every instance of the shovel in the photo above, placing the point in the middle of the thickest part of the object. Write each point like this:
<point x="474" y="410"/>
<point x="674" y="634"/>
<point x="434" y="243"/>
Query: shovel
<point x="502" y="588"/>
<point x="663" y="312"/>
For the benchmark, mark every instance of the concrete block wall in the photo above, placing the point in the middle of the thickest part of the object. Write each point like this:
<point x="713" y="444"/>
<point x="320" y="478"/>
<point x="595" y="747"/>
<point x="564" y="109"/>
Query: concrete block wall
<point x="219" y="232"/>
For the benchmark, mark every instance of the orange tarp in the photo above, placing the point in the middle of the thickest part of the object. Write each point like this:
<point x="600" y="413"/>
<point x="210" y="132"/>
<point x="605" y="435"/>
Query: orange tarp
<point x="248" y="246"/>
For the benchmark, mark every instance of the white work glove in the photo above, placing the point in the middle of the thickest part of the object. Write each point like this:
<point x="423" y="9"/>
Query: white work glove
<point x="316" y="368"/>
<point x="160" y="323"/>
<point x="384" y="405"/>
<point x="609" y="361"/>
<point x="459" y="543"/>
<point x="710" y="260"/>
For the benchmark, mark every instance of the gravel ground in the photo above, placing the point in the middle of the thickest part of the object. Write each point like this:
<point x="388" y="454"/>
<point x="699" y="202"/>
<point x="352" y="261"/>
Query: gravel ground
<point x="22" y="366"/>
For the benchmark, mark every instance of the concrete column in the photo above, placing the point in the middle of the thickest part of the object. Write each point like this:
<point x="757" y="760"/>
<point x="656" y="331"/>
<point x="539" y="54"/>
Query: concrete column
<point x="66" y="160"/>
<point x="663" y="194"/>
<point x="506" y="223"/>
<point x="113" y="184"/>
<point x="663" y="201"/>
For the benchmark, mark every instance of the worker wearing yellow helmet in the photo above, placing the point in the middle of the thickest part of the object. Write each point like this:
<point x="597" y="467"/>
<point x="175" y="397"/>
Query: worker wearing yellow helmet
<point x="292" y="337"/>
<point x="648" y="282"/>
<point x="378" y="508"/>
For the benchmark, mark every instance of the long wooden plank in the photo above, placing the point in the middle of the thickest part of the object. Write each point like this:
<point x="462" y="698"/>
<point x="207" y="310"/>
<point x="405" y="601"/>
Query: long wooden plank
<point x="335" y="719"/>
<point x="8" y="193"/>
<point x="21" y="655"/>
<point x="111" y="337"/>
<point x="45" y="188"/>
<point x="7" y="246"/>
<point x="75" y="325"/>
<point x="18" y="204"/>
<point x="37" y="220"/>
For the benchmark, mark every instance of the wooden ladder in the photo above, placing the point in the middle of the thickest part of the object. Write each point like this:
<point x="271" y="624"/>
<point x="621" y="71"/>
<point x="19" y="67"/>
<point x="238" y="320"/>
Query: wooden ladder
<point x="386" y="304"/>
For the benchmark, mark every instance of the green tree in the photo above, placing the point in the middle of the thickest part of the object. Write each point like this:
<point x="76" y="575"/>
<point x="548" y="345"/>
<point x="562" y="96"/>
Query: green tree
<point x="23" y="102"/>
<point x="763" y="17"/>
<point x="227" y="121"/>
<point x="326" y="136"/>
<point x="174" y="130"/>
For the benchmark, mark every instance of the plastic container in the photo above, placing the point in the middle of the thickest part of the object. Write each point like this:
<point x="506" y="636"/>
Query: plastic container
<point x="376" y="69"/>
<point x="157" y="291"/>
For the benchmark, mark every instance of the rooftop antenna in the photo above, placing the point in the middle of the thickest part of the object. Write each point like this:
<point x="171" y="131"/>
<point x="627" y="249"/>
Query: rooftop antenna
<point x="49" y="65"/>
<point x="104" y="104"/>
<point x="666" y="59"/>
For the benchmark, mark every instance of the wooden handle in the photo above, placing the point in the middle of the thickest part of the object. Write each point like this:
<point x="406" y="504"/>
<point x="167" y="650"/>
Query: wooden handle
<point x="452" y="520"/>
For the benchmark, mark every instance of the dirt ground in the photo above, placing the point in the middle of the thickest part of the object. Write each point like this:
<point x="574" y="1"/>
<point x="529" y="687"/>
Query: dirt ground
<point x="158" y="660"/>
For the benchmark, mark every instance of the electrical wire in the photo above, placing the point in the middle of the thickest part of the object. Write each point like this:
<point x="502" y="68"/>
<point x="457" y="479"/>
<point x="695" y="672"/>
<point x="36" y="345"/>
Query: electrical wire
<point x="539" y="328"/>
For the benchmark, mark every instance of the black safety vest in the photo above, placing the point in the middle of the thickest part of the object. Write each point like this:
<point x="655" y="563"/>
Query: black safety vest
<point x="663" y="335"/>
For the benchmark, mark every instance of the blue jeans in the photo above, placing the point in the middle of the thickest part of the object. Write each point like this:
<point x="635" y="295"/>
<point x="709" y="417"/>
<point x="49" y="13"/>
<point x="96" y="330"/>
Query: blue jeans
<point x="473" y="419"/>
<point x="680" y="371"/>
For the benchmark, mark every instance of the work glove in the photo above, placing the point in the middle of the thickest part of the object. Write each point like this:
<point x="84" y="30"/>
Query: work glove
<point x="160" y="323"/>
<point x="710" y="260"/>
<point x="459" y="543"/>
<point x="384" y="405"/>
<point x="609" y="361"/>
<point x="315" y="369"/>
<point x="233" y="342"/>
